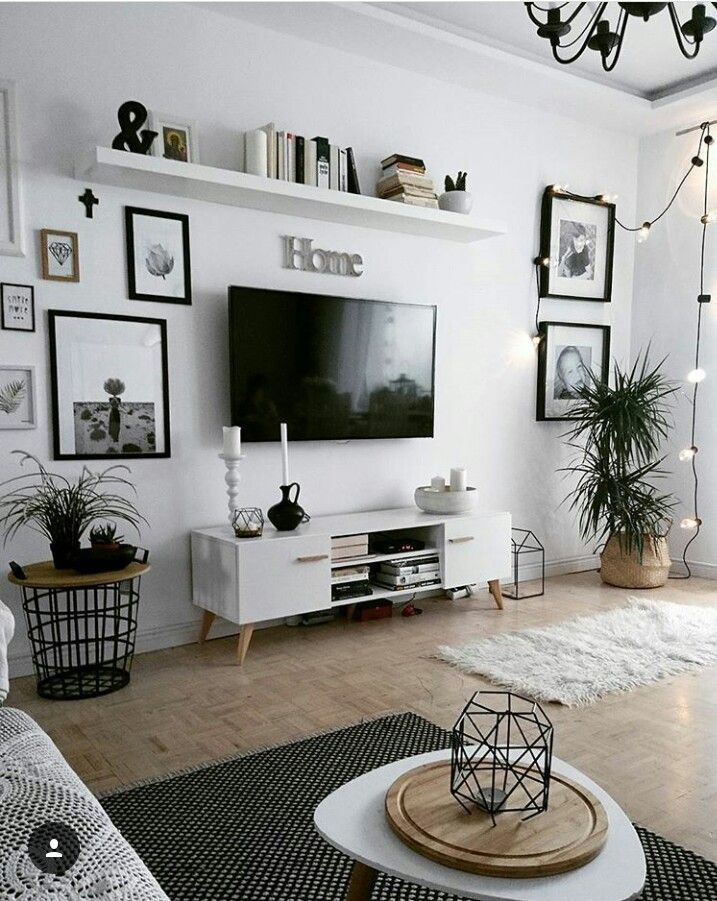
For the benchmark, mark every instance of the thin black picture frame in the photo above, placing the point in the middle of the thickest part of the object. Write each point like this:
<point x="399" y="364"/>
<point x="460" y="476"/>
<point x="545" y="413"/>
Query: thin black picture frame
<point x="3" y="324"/>
<point x="53" y="316"/>
<point x="543" y="330"/>
<point x="129" y="213"/>
<point x="546" y="216"/>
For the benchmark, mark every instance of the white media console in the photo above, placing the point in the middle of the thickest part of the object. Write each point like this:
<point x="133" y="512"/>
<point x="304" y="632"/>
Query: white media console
<point x="281" y="574"/>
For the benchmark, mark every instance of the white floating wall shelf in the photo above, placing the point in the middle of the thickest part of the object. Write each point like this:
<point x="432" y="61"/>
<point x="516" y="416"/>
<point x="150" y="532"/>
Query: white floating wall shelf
<point x="149" y="173"/>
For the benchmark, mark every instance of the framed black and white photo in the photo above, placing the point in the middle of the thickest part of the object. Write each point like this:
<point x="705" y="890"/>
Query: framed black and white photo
<point x="158" y="265"/>
<point x="110" y="393"/>
<point x="577" y="238"/>
<point x="569" y="356"/>
<point x="176" y="138"/>
<point x="17" y="397"/>
<point x="60" y="255"/>
<point x="17" y="307"/>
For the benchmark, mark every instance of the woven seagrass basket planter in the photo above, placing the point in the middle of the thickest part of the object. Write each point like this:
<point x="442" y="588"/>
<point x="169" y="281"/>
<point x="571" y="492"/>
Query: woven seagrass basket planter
<point x="628" y="571"/>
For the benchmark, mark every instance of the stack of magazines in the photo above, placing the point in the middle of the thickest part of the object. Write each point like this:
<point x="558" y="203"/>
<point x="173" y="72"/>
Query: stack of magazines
<point x="349" y="582"/>
<point x="408" y="572"/>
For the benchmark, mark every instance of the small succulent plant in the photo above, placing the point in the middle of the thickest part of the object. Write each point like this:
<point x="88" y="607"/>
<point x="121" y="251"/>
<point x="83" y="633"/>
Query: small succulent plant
<point x="104" y="534"/>
<point x="459" y="184"/>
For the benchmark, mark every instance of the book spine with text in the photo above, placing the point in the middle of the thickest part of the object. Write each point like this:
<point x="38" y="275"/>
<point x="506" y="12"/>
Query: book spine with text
<point x="322" y="162"/>
<point x="300" y="163"/>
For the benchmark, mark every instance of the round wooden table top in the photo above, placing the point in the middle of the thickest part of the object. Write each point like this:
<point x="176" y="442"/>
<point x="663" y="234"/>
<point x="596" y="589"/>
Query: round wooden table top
<point x="424" y="814"/>
<point x="44" y="575"/>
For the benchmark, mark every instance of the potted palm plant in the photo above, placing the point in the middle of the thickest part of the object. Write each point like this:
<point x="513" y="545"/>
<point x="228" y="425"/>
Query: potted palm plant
<point x="62" y="509"/>
<point x="618" y="434"/>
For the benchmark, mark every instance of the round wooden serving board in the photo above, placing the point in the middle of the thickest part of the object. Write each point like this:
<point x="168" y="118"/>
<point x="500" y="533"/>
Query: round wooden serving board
<point x="426" y="816"/>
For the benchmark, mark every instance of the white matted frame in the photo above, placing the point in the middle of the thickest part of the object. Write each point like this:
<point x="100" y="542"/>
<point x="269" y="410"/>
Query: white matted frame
<point x="18" y="405"/>
<point x="11" y="232"/>
<point x="164" y="125"/>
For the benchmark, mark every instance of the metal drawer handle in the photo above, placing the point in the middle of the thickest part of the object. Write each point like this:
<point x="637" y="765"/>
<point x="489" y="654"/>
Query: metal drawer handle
<point x="461" y="540"/>
<point x="312" y="558"/>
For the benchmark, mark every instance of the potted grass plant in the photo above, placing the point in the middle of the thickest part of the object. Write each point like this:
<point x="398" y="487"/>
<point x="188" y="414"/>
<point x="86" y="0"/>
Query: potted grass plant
<point x="62" y="509"/>
<point x="617" y="434"/>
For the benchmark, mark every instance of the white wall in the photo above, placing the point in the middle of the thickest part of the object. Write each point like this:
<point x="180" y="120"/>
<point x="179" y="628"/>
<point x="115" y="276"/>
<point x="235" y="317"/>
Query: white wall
<point x="74" y="64"/>
<point x="665" y="315"/>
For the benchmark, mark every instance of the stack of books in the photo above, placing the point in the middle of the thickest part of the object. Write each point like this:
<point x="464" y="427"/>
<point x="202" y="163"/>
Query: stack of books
<point x="349" y="582"/>
<point x="408" y="572"/>
<point x="404" y="179"/>
<point x="309" y="161"/>
<point x="346" y="546"/>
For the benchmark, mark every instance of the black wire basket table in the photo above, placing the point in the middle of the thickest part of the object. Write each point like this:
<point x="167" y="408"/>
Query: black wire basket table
<point x="82" y="628"/>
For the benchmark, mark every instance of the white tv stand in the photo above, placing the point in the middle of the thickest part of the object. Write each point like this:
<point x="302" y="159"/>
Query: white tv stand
<point x="250" y="580"/>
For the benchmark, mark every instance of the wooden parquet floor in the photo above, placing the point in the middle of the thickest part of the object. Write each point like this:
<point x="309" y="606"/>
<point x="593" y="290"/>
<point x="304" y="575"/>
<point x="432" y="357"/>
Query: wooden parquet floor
<point x="654" y="749"/>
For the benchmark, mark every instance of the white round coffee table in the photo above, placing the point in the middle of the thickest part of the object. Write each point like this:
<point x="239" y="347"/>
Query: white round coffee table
<point x="353" y="820"/>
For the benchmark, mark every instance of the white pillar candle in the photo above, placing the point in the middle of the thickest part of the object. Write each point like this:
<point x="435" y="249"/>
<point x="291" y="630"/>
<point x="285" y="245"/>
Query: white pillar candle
<point x="284" y="454"/>
<point x="459" y="479"/>
<point x="255" y="153"/>
<point x="438" y="483"/>
<point x="232" y="441"/>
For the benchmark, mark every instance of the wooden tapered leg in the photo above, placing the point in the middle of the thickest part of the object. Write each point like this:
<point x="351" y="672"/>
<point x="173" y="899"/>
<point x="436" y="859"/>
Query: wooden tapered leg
<point x="494" y="588"/>
<point x="207" y="621"/>
<point x="362" y="882"/>
<point x="243" y="642"/>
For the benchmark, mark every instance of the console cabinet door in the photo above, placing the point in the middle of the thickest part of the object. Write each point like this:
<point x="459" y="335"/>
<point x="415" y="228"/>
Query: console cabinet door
<point x="283" y="577"/>
<point x="476" y="549"/>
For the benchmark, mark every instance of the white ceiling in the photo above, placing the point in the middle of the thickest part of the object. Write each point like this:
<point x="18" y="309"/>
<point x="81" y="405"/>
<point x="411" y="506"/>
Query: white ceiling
<point x="406" y="36"/>
<point x="650" y="65"/>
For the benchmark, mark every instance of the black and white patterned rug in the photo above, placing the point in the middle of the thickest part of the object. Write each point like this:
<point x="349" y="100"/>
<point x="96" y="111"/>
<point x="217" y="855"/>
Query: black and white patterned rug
<point x="242" y="829"/>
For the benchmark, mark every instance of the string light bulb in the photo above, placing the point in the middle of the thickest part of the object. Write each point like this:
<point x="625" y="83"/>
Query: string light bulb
<point x="687" y="453"/>
<point x="695" y="376"/>
<point x="708" y="217"/>
<point x="644" y="232"/>
<point x="536" y="339"/>
<point x="690" y="522"/>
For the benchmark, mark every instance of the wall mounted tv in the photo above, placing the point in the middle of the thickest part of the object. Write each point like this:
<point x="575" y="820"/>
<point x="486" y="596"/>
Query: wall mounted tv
<point x="330" y="367"/>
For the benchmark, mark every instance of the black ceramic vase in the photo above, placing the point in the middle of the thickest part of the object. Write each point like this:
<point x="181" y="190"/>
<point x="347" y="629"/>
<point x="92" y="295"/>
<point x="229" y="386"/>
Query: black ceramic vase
<point x="287" y="514"/>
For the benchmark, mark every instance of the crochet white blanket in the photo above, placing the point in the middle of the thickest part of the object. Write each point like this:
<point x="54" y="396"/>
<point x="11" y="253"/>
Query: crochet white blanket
<point x="36" y="786"/>
<point x="7" y="629"/>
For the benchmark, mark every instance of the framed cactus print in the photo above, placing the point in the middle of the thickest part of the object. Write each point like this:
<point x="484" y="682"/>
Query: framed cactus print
<point x="158" y="264"/>
<point x="110" y="394"/>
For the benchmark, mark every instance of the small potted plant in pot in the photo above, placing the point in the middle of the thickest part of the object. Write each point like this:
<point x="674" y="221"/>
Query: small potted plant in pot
<point x="456" y="199"/>
<point x="618" y="433"/>
<point x="62" y="509"/>
<point x="104" y="537"/>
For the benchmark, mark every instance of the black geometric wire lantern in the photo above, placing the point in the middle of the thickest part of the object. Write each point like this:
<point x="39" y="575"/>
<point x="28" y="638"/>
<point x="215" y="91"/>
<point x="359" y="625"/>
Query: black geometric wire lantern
<point x="502" y="748"/>
<point x="248" y="522"/>
<point x="525" y="550"/>
<point x="576" y="27"/>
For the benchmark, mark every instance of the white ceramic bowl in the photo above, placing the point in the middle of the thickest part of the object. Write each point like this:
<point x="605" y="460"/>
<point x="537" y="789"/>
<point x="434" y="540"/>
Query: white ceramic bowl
<point x="432" y="501"/>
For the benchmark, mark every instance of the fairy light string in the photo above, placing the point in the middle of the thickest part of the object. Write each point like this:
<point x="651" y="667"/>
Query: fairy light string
<point x="697" y="375"/>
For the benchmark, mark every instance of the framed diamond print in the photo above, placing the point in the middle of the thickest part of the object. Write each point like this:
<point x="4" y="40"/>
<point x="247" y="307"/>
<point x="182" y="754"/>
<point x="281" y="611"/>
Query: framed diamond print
<point x="60" y="255"/>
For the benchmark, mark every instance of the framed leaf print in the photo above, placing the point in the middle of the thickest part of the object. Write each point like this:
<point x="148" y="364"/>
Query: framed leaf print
<point x="17" y="397"/>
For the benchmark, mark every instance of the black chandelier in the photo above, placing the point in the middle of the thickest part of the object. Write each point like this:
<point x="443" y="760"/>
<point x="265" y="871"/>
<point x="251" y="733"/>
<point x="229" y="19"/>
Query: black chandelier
<point x="567" y="30"/>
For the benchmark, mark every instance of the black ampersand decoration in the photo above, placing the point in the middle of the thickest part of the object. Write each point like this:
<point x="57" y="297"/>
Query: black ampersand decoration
<point x="131" y="116"/>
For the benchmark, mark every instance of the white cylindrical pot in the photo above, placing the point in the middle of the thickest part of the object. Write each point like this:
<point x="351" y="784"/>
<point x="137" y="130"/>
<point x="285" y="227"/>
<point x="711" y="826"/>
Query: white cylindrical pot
<point x="255" y="153"/>
<point x="456" y="201"/>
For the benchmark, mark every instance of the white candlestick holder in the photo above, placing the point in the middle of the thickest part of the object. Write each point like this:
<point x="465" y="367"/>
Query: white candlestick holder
<point x="232" y="479"/>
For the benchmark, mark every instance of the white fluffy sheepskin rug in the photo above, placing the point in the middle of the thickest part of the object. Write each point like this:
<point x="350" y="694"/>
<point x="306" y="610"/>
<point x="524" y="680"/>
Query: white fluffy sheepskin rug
<point x="579" y="661"/>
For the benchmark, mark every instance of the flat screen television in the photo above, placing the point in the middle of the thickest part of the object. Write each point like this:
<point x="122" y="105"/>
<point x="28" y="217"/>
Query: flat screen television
<point x="330" y="367"/>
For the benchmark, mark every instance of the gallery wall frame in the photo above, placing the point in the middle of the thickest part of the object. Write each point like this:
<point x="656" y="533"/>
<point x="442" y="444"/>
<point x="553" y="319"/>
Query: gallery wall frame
<point x="12" y="242"/>
<point x="577" y="238"/>
<point x="17" y="307"/>
<point x="158" y="258"/>
<point x="18" y="397"/>
<point x="110" y="386"/>
<point x="59" y="255"/>
<point x="567" y="353"/>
